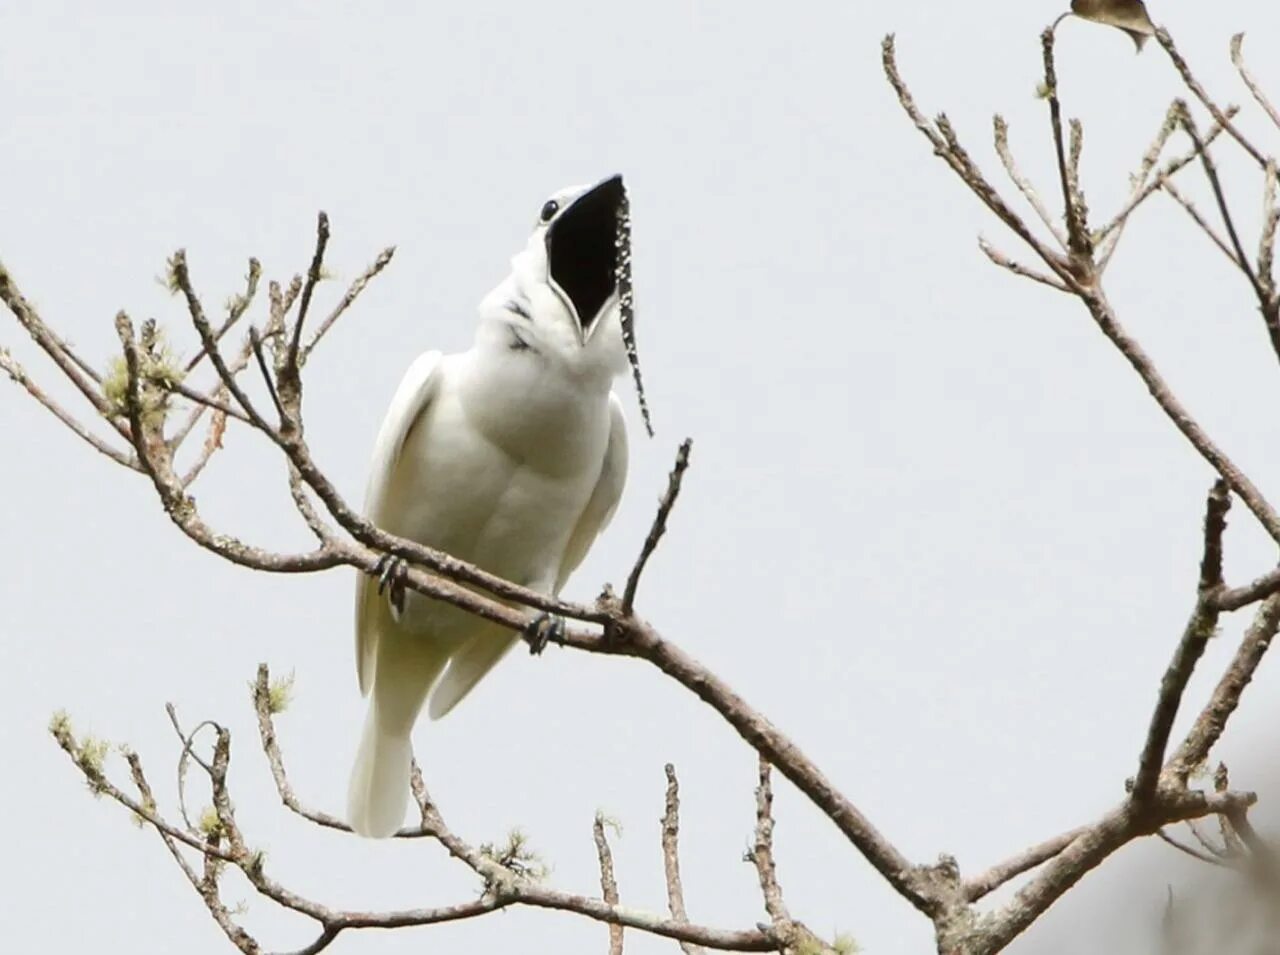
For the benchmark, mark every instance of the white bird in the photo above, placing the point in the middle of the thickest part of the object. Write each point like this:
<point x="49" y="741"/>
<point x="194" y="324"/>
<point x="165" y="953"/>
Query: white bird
<point x="511" y="455"/>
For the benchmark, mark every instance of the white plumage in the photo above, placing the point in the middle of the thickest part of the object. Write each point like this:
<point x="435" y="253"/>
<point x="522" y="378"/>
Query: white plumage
<point x="511" y="455"/>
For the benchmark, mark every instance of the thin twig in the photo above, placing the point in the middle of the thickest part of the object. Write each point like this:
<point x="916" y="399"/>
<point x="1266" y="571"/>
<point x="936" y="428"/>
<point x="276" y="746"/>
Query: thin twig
<point x="271" y="749"/>
<point x="303" y="503"/>
<point x="256" y="341"/>
<point x="19" y="376"/>
<point x="608" y="882"/>
<point x="1190" y="209"/>
<point x="289" y="371"/>
<point x="1109" y="236"/>
<point x="1211" y="173"/>
<point x="1078" y="240"/>
<point x="67" y="361"/>
<point x="1208" y="727"/>
<point x="1002" y="260"/>
<point x="235" y="310"/>
<point x="1195" y="637"/>
<point x="761" y="852"/>
<point x="1267" y="244"/>
<point x="1193" y="84"/>
<point x="210" y="400"/>
<point x="502" y="888"/>
<point x="1000" y="134"/>
<point x="182" y="277"/>
<point x="206" y="887"/>
<point x="1090" y="849"/>
<point x="212" y="444"/>
<point x="945" y="145"/>
<point x="1105" y="317"/>
<point x="659" y="525"/>
<point x="1230" y="599"/>
<point x="985" y="883"/>
<point x="352" y="293"/>
<point x="671" y="855"/>
<point x="1189" y="850"/>
<point x="1237" y="58"/>
<point x="1205" y="842"/>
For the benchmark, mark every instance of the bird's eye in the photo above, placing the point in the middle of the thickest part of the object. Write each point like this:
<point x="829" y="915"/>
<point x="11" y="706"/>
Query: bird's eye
<point x="549" y="208"/>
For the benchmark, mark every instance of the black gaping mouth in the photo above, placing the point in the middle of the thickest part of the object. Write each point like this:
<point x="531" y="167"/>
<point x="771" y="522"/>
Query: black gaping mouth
<point x="582" y="250"/>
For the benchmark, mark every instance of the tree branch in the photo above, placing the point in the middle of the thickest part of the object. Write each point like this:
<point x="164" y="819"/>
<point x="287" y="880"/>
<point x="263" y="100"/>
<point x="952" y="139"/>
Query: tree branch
<point x="18" y="375"/>
<point x="982" y="885"/>
<point x="1195" y="637"/>
<point x="608" y="882"/>
<point x="671" y="855"/>
<point x="659" y="523"/>
<point x="1193" y="84"/>
<point x="1208" y="727"/>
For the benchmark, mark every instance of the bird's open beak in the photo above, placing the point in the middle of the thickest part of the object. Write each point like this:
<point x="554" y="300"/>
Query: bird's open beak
<point x="583" y="250"/>
<point x="589" y="261"/>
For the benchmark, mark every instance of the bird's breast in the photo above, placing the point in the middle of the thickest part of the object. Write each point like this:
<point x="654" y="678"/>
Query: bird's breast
<point x="498" y="472"/>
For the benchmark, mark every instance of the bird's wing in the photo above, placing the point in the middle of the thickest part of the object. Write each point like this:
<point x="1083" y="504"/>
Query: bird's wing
<point x="604" y="499"/>
<point x="411" y="399"/>
<point x="483" y="651"/>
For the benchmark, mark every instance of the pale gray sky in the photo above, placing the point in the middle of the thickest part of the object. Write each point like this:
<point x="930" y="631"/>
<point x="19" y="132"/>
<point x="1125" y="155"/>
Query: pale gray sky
<point x="934" y="528"/>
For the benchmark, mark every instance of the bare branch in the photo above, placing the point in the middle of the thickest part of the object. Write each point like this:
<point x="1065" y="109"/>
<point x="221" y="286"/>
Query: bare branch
<point x="19" y="376"/>
<point x="289" y="371"/>
<point x="1213" y="718"/>
<point x="1193" y="84"/>
<point x="212" y="444"/>
<point x="1239" y="483"/>
<point x="671" y="855"/>
<point x="1215" y="525"/>
<point x="182" y="278"/>
<point x="1195" y="637"/>
<point x="1267" y="245"/>
<point x="1088" y="850"/>
<point x="156" y="459"/>
<point x="633" y="637"/>
<point x="302" y="502"/>
<point x="984" y="884"/>
<point x="1237" y="58"/>
<point x="1205" y="842"/>
<point x="1259" y="589"/>
<point x="761" y="853"/>
<point x="1211" y="173"/>
<point x="255" y="341"/>
<point x="948" y="148"/>
<point x="1078" y="240"/>
<point x="608" y="883"/>
<point x="1192" y="851"/>
<point x="206" y="887"/>
<point x="235" y="310"/>
<point x="659" y="527"/>
<point x="67" y="361"/>
<point x="1109" y="235"/>
<point x="1000" y="134"/>
<point x="267" y="733"/>
<point x="1002" y="260"/>
<point x="214" y="397"/>
<point x="1190" y="208"/>
<point x="352" y="293"/>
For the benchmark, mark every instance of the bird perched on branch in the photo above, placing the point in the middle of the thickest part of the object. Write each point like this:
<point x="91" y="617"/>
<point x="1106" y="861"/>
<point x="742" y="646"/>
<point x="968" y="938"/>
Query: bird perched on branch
<point x="512" y="456"/>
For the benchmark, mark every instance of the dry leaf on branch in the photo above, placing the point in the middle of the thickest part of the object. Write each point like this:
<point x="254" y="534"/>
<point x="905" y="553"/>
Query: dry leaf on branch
<point x="1127" y="15"/>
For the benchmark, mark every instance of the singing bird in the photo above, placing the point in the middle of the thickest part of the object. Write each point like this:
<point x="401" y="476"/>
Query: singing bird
<point x="511" y="455"/>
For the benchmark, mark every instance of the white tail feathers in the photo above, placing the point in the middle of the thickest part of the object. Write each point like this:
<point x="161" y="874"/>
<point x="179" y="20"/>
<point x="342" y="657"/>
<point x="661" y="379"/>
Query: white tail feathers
<point x="467" y="667"/>
<point x="379" y="791"/>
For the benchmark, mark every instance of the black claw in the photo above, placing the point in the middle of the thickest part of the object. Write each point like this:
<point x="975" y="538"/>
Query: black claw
<point x="543" y="629"/>
<point x="391" y="571"/>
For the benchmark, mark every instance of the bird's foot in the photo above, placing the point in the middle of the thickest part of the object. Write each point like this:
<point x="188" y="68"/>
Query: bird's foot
<point x="390" y="572"/>
<point x="543" y="629"/>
